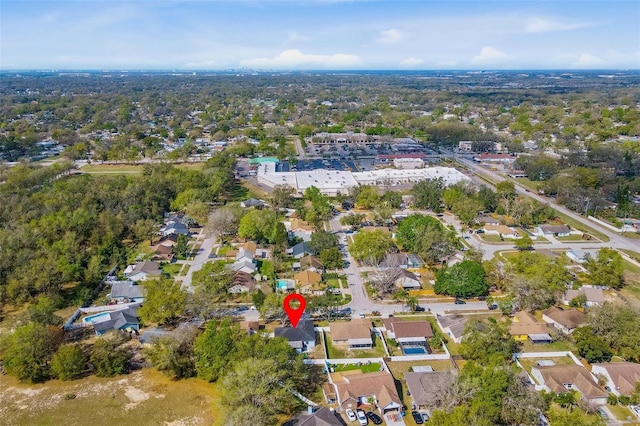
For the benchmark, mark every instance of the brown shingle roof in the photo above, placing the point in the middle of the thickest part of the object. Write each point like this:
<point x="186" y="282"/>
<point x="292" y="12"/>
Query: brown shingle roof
<point x="380" y="384"/>
<point x="310" y="261"/>
<point x="556" y="376"/>
<point x="307" y="277"/>
<point x="569" y="318"/>
<point x="412" y="329"/>
<point x="625" y="375"/>
<point x="355" y="329"/>
<point x="526" y="328"/>
<point x="427" y="388"/>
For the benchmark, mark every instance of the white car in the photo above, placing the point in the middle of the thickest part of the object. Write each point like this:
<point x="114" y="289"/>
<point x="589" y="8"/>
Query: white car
<point x="351" y="415"/>
<point x="636" y="410"/>
<point x="362" y="418"/>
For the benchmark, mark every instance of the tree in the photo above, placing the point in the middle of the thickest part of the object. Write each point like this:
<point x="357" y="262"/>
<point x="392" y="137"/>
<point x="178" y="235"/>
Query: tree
<point x="43" y="310"/>
<point x="607" y="269"/>
<point x="591" y="347"/>
<point x="353" y="219"/>
<point x="574" y="417"/>
<point x="370" y="245"/>
<point x="214" y="349"/>
<point x="465" y="279"/>
<point x="325" y="306"/>
<point x="223" y="221"/>
<point x="426" y="236"/>
<point x="258" y="298"/>
<point x="145" y="229"/>
<point x="487" y="343"/>
<point x="332" y="258"/>
<point x="181" y="248"/>
<point x="427" y="194"/>
<point x="520" y="404"/>
<point x="392" y="199"/>
<point x="524" y="243"/>
<point x="27" y="352"/>
<point x="367" y="197"/>
<point x="272" y="308"/>
<point x="173" y="356"/>
<point x="69" y="362"/>
<point x="108" y="356"/>
<point x="164" y="301"/>
<point x="258" y="225"/>
<point x="323" y="240"/>
<point x="261" y="383"/>
<point x="619" y="326"/>
<point x="281" y="196"/>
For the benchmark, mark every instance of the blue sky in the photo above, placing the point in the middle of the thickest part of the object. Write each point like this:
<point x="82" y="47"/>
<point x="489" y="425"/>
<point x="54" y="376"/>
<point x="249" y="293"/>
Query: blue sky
<point x="319" y="34"/>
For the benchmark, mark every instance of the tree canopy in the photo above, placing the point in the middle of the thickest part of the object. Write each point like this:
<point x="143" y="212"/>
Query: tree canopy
<point x="465" y="279"/>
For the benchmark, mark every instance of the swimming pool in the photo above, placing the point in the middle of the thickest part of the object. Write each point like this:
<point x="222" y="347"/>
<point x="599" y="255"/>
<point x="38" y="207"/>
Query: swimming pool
<point x="414" y="350"/>
<point x="97" y="318"/>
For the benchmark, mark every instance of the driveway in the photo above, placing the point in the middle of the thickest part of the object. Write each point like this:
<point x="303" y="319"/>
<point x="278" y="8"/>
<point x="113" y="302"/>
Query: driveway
<point x="201" y="258"/>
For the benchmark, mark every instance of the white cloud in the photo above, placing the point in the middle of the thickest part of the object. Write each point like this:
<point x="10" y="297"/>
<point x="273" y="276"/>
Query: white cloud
<point x="210" y="64"/>
<point x="296" y="59"/>
<point x="587" y="60"/>
<point x="411" y="62"/>
<point x="390" y="36"/>
<point x="489" y="55"/>
<point x="542" y="25"/>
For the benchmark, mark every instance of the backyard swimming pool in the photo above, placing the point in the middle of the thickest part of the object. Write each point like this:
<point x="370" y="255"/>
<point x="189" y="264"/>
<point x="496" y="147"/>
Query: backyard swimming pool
<point x="92" y="319"/>
<point x="414" y="350"/>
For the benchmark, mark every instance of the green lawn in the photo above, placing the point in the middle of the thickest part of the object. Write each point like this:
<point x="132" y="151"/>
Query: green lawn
<point x="185" y="269"/>
<point x="572" y="237"/>
<point x="365" y="368"/>
<point x="129" y="168"/>
<point x="171" y="268"/>
<point x="621" y="412"/>
<point x="632" y="235"/>
<point x="376" y="352"/>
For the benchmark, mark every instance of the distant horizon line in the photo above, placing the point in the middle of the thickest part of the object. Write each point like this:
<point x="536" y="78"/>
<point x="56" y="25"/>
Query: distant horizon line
<point x="248" y="70"/>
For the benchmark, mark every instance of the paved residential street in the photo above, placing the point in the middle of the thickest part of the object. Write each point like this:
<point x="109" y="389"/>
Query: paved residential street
<point x="201" y="258"/>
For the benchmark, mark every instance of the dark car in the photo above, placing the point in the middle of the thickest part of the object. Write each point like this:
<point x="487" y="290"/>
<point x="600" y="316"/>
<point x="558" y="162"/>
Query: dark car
<point x="375" y="419"/>
<point x="419" y="308"/>
<point x="417" y="417"/>
<point x="460" y="302"/>
<point x="493" y="306"/>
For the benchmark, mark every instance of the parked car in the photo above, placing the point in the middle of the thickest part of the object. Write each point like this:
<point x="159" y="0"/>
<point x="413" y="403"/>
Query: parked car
<point x="351" y="415"/>
<point x="419" y="308"/>
<point x="602" y="414"/>
<point x="362" y="418"/>
<point x="361" y="315"/>
<point x="460" y="302"/>
<point x="417" y="417"/>
<point x="425" y="417"/>
<point x="376" y="419"/>
<point x="493" y="306"/>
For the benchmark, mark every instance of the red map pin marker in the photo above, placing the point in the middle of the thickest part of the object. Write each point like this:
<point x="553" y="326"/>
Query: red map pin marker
<point x="294" y="314"/>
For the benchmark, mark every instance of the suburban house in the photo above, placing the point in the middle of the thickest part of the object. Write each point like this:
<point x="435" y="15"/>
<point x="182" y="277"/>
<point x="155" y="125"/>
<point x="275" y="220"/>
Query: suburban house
<point x="554" y="230"/>
<point x="252" y="247"/>
<point x="301" y="338"/>
<point x="183" y="331"/>
<point x="244" y="262"/>
<point x="501" y="230"/>
<point x="243" y="282"/>
<point x="526" y="327"/>
<point x="395" y="260"/>
<point x="487" y="220"/>
<point x="452" y="326"/>
<point x="174" y="227"/>
<point x="163" y="253"/>
<point x="581" y="256"/>
<point x="308" y="282"/>
<point x="565" y="320"/>
<point x="252" y="202"/>
<point x="367" y="391"/>
<point x="125" y="291"/>
<point x="299" y="250"/>
<point x="125" y="319"/>
<point x="142" y="271"/>
<point x="564" y="378"/>
<point x="426" y="388"/>
<point x="408" y="280"/>
<point x="409" y="334"/>
<point x="169" y="240"/>
<point x="622" y="377"/>
<point x="594" y="296"/>
<point x="299" y="228"/>
<point x="354" y="335"/>
<point x="312" y="263"/>
<point x="314" y="416"/>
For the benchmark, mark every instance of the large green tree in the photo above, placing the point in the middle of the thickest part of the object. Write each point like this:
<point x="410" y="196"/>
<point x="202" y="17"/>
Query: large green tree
<point x="465" y="279"/>
<point x="607" y="269"/>
<point x="27" y="352"/>
<point x="370" y="246"/>
<point x="109" y="357"/>
<point x="164" y="301"/>
<point x="214" y="349"/>
<point x="69" y="362"/>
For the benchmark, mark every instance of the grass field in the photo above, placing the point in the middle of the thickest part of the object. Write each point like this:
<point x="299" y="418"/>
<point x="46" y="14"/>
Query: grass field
<point x="106" y="169"/>
<point x="365" y="368"/>
<point x="144" y="397"/>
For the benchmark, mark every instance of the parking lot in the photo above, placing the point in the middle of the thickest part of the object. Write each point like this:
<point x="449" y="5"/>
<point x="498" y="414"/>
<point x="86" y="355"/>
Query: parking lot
<point x="331" y="164"/>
